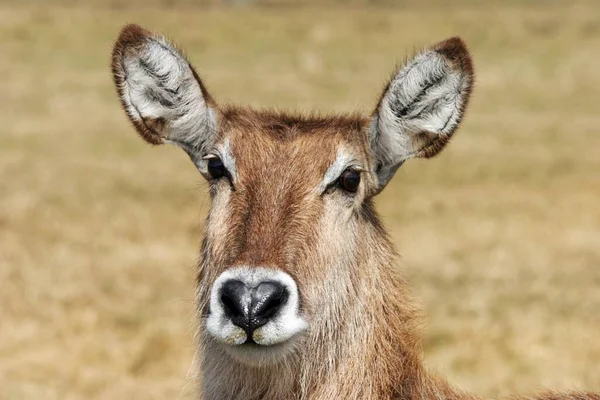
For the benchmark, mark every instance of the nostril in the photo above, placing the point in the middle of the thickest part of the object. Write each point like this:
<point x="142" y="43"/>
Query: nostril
<point x="267" y="299"/>
<point x="270" y="307"/>
<point x="234" y="299"/>
<point x="231" y="308"/>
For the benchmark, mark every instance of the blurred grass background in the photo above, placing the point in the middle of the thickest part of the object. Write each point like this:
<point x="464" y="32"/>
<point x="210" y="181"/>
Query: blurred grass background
<point x="99" y="232"/>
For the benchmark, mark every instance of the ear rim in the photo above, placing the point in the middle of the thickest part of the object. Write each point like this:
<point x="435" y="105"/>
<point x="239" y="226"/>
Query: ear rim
<point x="133" y="36"/>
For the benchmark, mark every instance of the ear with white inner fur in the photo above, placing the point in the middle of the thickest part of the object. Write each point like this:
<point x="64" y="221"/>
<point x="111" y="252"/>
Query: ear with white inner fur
<point x="162" y="94"/>
<point x="421" y="107"/>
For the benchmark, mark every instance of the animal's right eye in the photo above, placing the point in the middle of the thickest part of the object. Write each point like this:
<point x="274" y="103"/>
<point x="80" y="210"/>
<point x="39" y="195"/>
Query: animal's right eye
<point x="349" y="180"/>
<point x="216" y="168"/>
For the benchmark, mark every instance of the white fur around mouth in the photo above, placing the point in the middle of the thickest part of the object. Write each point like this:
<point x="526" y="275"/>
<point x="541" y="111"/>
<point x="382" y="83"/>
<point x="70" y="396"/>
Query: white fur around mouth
<point x="256" y="355"/>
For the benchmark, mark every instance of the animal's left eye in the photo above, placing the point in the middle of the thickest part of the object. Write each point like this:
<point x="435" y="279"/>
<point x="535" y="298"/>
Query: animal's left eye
<point x="216" y="168"/>
<point x="349" y="180"/>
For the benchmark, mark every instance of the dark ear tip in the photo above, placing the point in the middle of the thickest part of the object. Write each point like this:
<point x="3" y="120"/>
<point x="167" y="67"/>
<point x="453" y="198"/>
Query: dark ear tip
<point x="130" y="37"/>
<point x="133" y="34"/>
<point x="455" y="50"/>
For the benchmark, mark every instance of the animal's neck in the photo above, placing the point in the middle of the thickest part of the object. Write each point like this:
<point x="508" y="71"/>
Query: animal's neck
<point x="371" y="350"/>
<point x="374" y="352"/>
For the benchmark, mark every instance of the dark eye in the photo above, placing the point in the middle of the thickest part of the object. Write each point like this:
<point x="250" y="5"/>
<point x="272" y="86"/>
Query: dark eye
<point x="349" y="180"/>
<point x="215" y="167"/>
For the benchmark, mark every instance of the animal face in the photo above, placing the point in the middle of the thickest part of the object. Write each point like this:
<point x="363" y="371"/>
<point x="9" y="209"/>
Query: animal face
<point x="286" y="195"/>
<point x="291" y="195"/>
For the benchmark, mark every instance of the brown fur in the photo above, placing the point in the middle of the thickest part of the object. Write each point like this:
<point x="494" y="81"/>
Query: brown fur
<point x="363" y="340"/>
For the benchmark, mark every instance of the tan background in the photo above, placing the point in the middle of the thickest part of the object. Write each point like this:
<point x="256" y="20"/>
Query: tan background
<point x="99" y="232"/>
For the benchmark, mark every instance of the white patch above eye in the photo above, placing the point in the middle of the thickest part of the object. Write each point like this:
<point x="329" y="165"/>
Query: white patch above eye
<point x="343" y="161"/>
<point x="228" y="158"/>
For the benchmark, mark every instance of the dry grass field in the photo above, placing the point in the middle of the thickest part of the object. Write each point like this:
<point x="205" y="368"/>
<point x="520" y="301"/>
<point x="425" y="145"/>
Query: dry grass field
<point x="500" y="235"/>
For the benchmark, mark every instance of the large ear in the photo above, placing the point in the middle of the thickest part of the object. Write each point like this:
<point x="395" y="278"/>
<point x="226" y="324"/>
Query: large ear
<point x="162" y="94"/>
<point x="421" y="107"/>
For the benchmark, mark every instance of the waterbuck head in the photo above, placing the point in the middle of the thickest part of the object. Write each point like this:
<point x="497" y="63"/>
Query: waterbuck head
<point x="292" y="250"/>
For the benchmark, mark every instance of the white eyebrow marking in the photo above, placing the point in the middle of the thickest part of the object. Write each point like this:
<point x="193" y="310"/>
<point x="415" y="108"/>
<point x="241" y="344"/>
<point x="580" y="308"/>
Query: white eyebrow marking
<point x="227" y="158"/>
<point x="342" y="161"/>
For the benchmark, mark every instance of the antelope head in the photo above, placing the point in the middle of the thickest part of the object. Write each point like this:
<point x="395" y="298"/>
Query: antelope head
<point x="292" y="245"/>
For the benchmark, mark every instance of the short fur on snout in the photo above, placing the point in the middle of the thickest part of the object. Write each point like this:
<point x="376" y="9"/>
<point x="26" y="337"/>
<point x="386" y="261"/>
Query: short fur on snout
<point x="293" y="195"/>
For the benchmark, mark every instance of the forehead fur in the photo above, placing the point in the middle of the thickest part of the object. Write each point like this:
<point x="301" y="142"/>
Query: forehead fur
<point x="283" y="126"/>
<point x="291" y="147"/>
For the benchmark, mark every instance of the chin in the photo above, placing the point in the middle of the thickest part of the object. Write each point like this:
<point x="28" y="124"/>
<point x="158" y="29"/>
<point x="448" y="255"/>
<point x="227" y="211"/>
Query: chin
<point x="256" y="355"/>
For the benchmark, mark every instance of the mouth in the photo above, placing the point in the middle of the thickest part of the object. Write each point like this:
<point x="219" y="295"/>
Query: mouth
<point x="253" y="354"/>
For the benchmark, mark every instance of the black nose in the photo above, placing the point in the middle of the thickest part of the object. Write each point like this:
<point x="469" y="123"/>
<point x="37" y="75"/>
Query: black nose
<point x="252" y="307"/>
